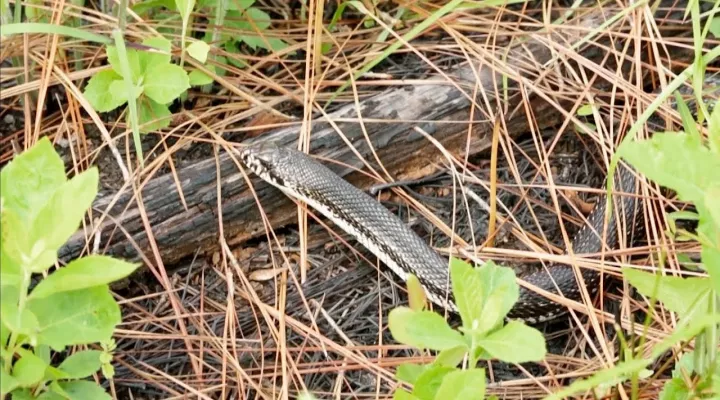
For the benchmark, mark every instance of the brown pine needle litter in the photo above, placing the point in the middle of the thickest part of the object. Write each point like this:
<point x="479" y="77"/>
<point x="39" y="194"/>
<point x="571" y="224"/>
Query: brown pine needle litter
<point x="288" y="310"/>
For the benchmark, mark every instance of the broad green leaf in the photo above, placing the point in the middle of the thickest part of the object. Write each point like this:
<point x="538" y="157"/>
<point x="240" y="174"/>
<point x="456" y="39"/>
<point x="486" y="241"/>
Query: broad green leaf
<point x="423" y="329"/>
<point x="26" y="322"/>
<point x="409" y="372"/>
<point x="715" y="27"/>
<point x="133" y="58"/>
<point x="118" y="91"/>
<point x="153" y="116"/>
<point x="451" y="357"/>
<point x="29" y="369"/>
<point x="61" y="217"/>
<point x="684" y="366"/>
<point x="402" y="394"/>
<point x="199" y="78"/>
<point x="463" y="385"/>
<point x="484" y="295"/>
<point x="711" y="256"/>
<point x="198" y="50"/>
<point x="675" y="160"/>
<point x="429" y="382"/>
<point x="43" y="351"/>
<point x="675" y="389"/>
<point x="30" y="178"/>
<point x="165" y="82"/>
<point x="54" y="374"/>
<point x="515" y="343"/>
<point x="4" y="335"/>
<point x="82" y="364"/>
<point x="677" y="294"/>
<point x="83" y="273"/>
<point x="98" y="93"/>
<point x="49" y="395"/>
<point x="7" y="382"/>
<point x="22" y="394"/>
<point x="712" y="203"/>
<point x="10" y="272"/>
<point x="84" y="390"/>
<point x="416" y="293"/>
<point x="148" y="58"/>
<point x="78" y="317"/>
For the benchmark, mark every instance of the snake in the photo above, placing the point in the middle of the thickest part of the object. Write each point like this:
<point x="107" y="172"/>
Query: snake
<point x="301" y="177"/>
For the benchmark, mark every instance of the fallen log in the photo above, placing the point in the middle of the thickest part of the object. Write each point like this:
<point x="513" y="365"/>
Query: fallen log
<point x="382" y="124"/>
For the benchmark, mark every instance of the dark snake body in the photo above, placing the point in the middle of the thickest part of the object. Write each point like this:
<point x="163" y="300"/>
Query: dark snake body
<point x="404" y="252"/>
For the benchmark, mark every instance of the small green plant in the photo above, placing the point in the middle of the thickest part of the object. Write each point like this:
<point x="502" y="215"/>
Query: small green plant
<point x="484" y="296"/>
<point x="156" y="83"/>
<point x="690" y="166"/>
<point x="71" y="307"/>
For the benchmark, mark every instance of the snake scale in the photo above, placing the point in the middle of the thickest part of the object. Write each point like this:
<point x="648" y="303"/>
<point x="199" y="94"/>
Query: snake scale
<point x="301" y="177"/>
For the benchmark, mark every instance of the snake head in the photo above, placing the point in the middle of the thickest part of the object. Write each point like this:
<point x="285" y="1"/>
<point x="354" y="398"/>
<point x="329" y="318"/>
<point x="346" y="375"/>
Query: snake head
<point x="264" y="159"/>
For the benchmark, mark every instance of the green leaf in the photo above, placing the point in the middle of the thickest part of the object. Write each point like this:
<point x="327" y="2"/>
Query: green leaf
<point x="585" y="110"/>
<point x="7" y="382"/>
<point x="84" y="390"/>
<point x="423" y="329"/>
<point x="676" y="160"/>
<point x="78" y="317"/>
<point x="409" y="373"/>
<point x="29" y="369"/>
<point x="142" y="8"/>
<point x="98" y="93"/>
<point x="82" y="364"/>
<point x="61" y="217"/>
<point x="451" y="357"/>
<point x="677" y="294"/>
<point x="712" y="202"/>
<point x="515" y="343"/>
<point x="153" y="116"/>
<point x="198" y="50"/>
<point x="22" y="394"/>
<point x="402" y="394"/>
<point x="483" y="295"/>
<point x="428" y="383"/>
<point x="24" y="323"/>
<point x="463" y="385"/>
<point x="50" y="396"/>
<point x="715" y="27"/>
<point x="165" y="82"/>
<point x="148" y="58"/>
<point x="29" y="179"/>
<point x="710" y="254"/>
<point x="199" y="78"/>
<point x="133" y="58"/>
<point x="43" y="351"/>
<point x="416" y="293"/>
<point x="118" y="91"/>
<point x="185" y="7"/>
<point x="83" y="273"/>
<point x="10" y="272"/>
<point x="675" y="389"/>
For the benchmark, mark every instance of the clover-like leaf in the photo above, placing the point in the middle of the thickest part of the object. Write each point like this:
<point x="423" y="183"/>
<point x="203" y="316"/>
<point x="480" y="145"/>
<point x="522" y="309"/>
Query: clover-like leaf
<point x="153" y="116"/>
<point x="199" y="78"/>
<point x="29" y="369"/>
<point x="677" y="294"/>
<point x="98" y="93"/>
<point x="199" y="50"/>
<point x="84" y="390"/>
<point x="150" y="58"/>
<point x="133" y="58"/>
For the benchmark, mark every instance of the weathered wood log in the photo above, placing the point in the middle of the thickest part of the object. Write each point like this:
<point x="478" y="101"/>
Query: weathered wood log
<point x="385" y="127"/>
